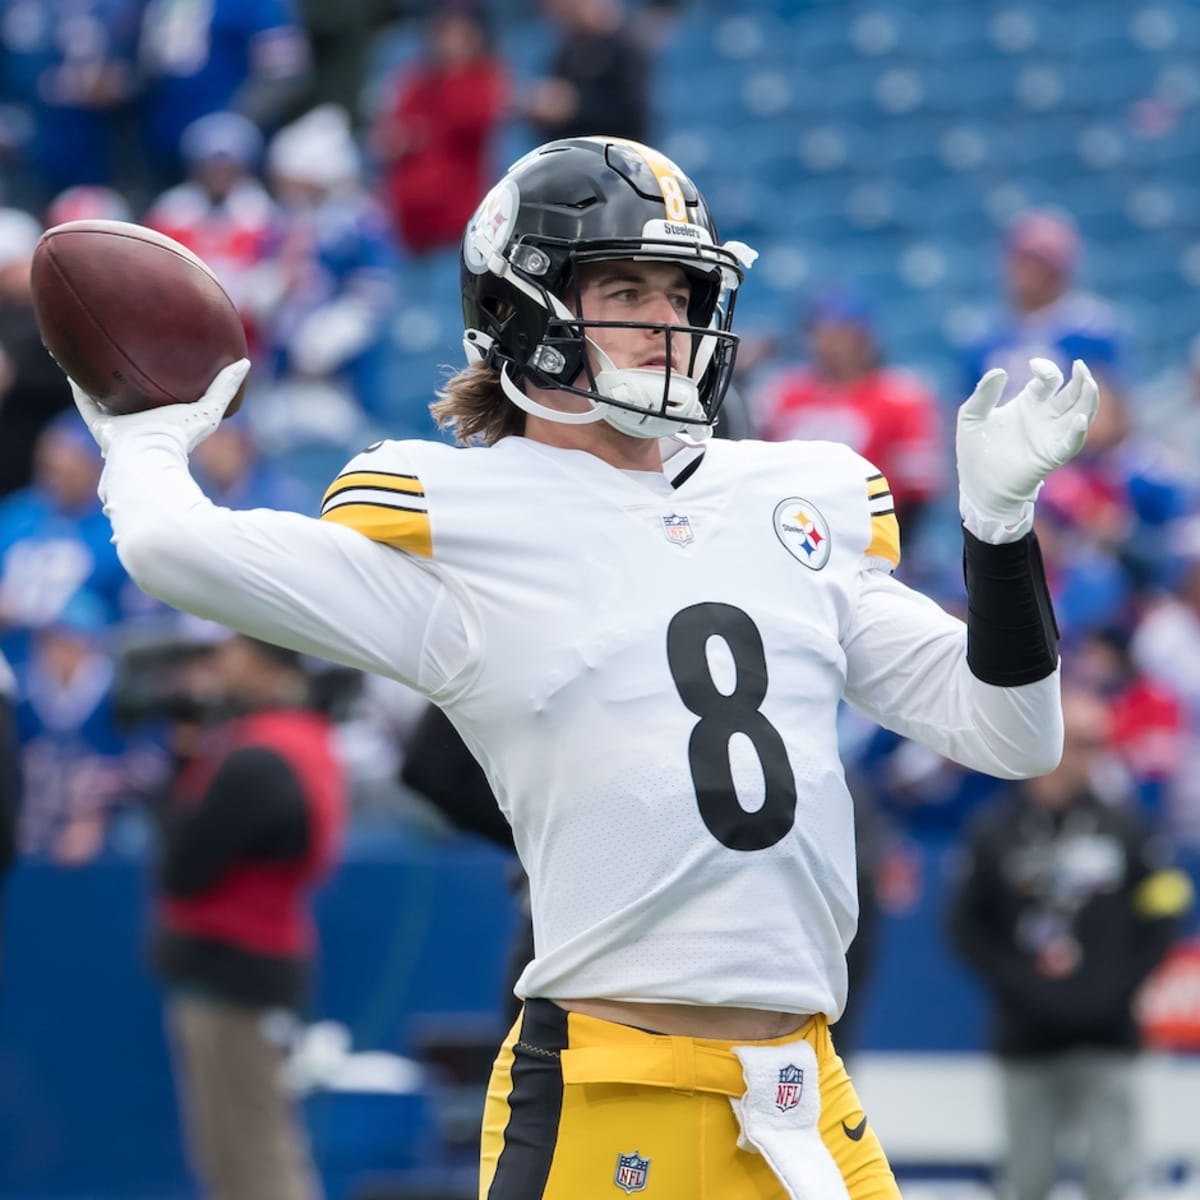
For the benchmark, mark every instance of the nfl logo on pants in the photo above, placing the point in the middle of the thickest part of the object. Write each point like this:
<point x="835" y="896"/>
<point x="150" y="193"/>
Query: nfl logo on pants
<point x="789" y="1088"/>
<point x="631" y="1174"/>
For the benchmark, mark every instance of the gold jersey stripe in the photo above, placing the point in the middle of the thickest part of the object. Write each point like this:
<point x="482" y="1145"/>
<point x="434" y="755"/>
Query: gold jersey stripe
<point x="404" y="528"/>
<point x="877" y="485"/>
<point x="386" y="481"/>
<point x="885" y="538"/>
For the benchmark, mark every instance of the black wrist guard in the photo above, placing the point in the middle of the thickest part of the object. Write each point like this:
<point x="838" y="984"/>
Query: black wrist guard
<point x="1012" y="637"/>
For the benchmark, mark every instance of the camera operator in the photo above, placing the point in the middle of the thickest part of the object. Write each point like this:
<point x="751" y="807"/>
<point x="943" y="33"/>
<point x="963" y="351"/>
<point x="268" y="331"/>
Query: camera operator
<point x="251" y="823"/>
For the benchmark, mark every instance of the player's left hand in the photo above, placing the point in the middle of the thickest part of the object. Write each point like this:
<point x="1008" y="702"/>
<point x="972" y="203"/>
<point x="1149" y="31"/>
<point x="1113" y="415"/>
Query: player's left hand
<point x="190" y="424"/>
<point x="1004" y="453"/>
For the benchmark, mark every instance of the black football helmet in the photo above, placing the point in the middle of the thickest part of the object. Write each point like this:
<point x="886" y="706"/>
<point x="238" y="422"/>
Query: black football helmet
<point x="583" y="200"/>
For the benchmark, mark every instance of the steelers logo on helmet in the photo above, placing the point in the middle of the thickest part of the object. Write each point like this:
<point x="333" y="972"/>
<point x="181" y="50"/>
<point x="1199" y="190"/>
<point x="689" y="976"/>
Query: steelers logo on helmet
<point x="802" y="529"/>
<point x="490" y="229"/>
<point x="581" y="201"/>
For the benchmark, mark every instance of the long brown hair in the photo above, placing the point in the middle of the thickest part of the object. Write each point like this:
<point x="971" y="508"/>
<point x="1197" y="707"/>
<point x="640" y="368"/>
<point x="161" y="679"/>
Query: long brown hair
<point x="472" y="406"/>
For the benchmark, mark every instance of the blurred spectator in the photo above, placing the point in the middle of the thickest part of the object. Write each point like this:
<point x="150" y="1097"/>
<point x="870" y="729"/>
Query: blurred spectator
<point x="222" y="212"/>
<point x="1169" y="408"/>
<point x="847" y="394"/>
<point x="599" y="78"/>
<point x="252" y="825"/>
<point x="339" y="33"/>
<point x="32" y="388"/>
<point x="1090" y="588"/>
<point x="234" y="474"/>
<point x="1149" y="723"/>
<point x="10" y="778"/>
<point x="80" y="769"/>
<point x="434" y="138"/>
<point x="71" y="67"/>
<point x="248" y="56"/>
<point x="325" y="302"/>
<point x="87" y="202"/>
<point x="1166" y="646"/>
<point x="55" y="538"/>
<point x="1063" y="907"/>
<point x="1047" y="316"/>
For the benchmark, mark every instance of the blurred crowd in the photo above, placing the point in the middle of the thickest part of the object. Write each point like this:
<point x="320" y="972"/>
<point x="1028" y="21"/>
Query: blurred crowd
<point x="327" y="179"/>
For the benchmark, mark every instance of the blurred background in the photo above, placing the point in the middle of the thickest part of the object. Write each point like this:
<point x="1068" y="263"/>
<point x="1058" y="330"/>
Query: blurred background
<point x="935" y="188"/>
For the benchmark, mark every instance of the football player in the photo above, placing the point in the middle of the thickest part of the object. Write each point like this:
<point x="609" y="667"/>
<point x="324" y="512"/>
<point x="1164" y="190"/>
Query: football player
<point x="643" y="635"/>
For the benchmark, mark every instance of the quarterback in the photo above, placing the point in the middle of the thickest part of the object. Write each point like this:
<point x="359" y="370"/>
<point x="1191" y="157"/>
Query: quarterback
<point x="643" y="635"/>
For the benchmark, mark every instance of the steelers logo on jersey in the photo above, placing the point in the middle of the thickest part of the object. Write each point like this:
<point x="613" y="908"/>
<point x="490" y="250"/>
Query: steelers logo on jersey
<point x="803" y="531"/>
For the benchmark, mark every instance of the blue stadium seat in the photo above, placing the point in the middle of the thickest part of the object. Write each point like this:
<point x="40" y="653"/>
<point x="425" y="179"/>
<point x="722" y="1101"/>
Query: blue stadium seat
<point x="1104" y="84"/>
<point x="910" y="149"/>
<point x="821" y="34"/>
<point x="1023" y="29"/>
<point x="954" y="32"/>
<point x="1044" y="146"/>
<point x="974" y="87"/>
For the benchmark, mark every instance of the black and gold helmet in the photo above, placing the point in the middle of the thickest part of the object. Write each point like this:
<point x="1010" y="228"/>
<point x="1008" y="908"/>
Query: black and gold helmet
<point x="584" y="200"/>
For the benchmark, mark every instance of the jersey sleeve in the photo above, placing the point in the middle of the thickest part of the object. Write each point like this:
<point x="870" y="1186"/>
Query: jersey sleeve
<point x="906" y="668"/>
<point x="315" y="586"/>
<point x="883" y="550"/>
<point x="380" y="495"/>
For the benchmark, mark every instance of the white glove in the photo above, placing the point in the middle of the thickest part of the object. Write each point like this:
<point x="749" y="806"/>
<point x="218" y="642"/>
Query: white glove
<point x="190" y="424"/>
<point x="1005" y="453"/>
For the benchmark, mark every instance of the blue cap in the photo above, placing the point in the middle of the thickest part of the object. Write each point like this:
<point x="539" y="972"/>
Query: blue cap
<point x="840" y="306"/>
<point x="69" y="426"/>
<point x="226" y="135"/>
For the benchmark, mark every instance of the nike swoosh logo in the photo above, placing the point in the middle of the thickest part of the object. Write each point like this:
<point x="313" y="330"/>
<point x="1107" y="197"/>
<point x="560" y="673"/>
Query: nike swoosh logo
<point x="855" y="1132"/>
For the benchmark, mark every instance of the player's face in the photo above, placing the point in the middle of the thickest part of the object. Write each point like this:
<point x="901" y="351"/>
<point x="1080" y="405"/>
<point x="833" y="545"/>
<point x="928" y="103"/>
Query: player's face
<point x="645" y="292"/>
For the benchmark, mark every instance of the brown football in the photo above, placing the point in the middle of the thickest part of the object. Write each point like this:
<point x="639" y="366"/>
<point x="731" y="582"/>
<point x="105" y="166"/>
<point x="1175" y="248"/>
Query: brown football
<point x="136" y="319"/>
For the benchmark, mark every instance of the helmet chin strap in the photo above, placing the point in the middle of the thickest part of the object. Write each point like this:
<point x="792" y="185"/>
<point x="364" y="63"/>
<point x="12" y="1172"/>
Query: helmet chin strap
<point x="530" y="405"/>
<point x="641" y="387"/>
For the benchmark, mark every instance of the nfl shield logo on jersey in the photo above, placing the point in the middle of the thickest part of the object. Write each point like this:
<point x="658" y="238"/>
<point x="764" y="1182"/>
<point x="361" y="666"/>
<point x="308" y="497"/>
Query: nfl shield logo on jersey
<point x="631" y="1174"/>
<point x="804" y="532"/>
<point x="678" y="529"/>
<point x="789" y="1087"/>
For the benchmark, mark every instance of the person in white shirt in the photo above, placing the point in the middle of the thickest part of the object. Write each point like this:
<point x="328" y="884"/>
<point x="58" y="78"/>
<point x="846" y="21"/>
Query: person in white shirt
<point x="643" y="635"/>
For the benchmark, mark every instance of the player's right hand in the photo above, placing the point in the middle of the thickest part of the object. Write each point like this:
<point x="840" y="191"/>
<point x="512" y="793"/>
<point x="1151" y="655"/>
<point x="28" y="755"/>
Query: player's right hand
<point x="189" y="424"/>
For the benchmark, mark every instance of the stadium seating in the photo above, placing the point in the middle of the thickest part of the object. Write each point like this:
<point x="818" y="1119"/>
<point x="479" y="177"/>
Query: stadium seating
<point x="812" y="124"/>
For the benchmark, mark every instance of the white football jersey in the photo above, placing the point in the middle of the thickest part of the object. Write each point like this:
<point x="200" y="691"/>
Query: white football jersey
<point x="653" y="699"/>
<point x="649" y="676"/>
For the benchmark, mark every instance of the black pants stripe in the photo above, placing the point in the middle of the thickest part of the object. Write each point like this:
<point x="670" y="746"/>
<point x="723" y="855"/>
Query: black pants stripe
<point x="535" y="1104"/>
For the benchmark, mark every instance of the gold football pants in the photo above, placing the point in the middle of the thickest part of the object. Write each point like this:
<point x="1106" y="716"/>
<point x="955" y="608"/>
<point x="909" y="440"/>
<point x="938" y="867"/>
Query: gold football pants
<point x="579" y="1108"/>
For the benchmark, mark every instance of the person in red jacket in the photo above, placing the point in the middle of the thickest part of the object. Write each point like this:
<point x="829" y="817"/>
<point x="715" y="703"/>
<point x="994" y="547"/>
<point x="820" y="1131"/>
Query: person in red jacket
<point x="846" y="393"/>
<point x="434" y="140"/>
<point x="252" y="825"/>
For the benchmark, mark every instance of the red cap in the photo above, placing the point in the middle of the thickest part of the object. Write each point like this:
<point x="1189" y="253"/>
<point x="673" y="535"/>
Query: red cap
<point x="1045" y="235"/>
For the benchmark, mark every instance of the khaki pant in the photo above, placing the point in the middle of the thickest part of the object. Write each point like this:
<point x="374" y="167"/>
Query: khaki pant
<point x="1089" y="1093"/>
<point x="244" y="1139"/>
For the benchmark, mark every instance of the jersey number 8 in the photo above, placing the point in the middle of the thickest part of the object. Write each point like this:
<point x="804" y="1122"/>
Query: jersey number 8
<point x="721" y="716"/>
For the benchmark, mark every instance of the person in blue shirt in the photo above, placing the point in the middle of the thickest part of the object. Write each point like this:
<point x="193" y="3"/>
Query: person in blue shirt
<point x="248" y="56"/>
<point x="70" y="69"/>
<point x="55" y="539"/>
<point x="1123" y="490"/>
<point x="1047" y="315"/>
<point x="79" y="767"/>
<point x="326" y="303"/>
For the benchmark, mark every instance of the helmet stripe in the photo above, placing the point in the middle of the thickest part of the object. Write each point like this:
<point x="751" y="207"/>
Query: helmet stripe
<point x="667" y="174"/>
